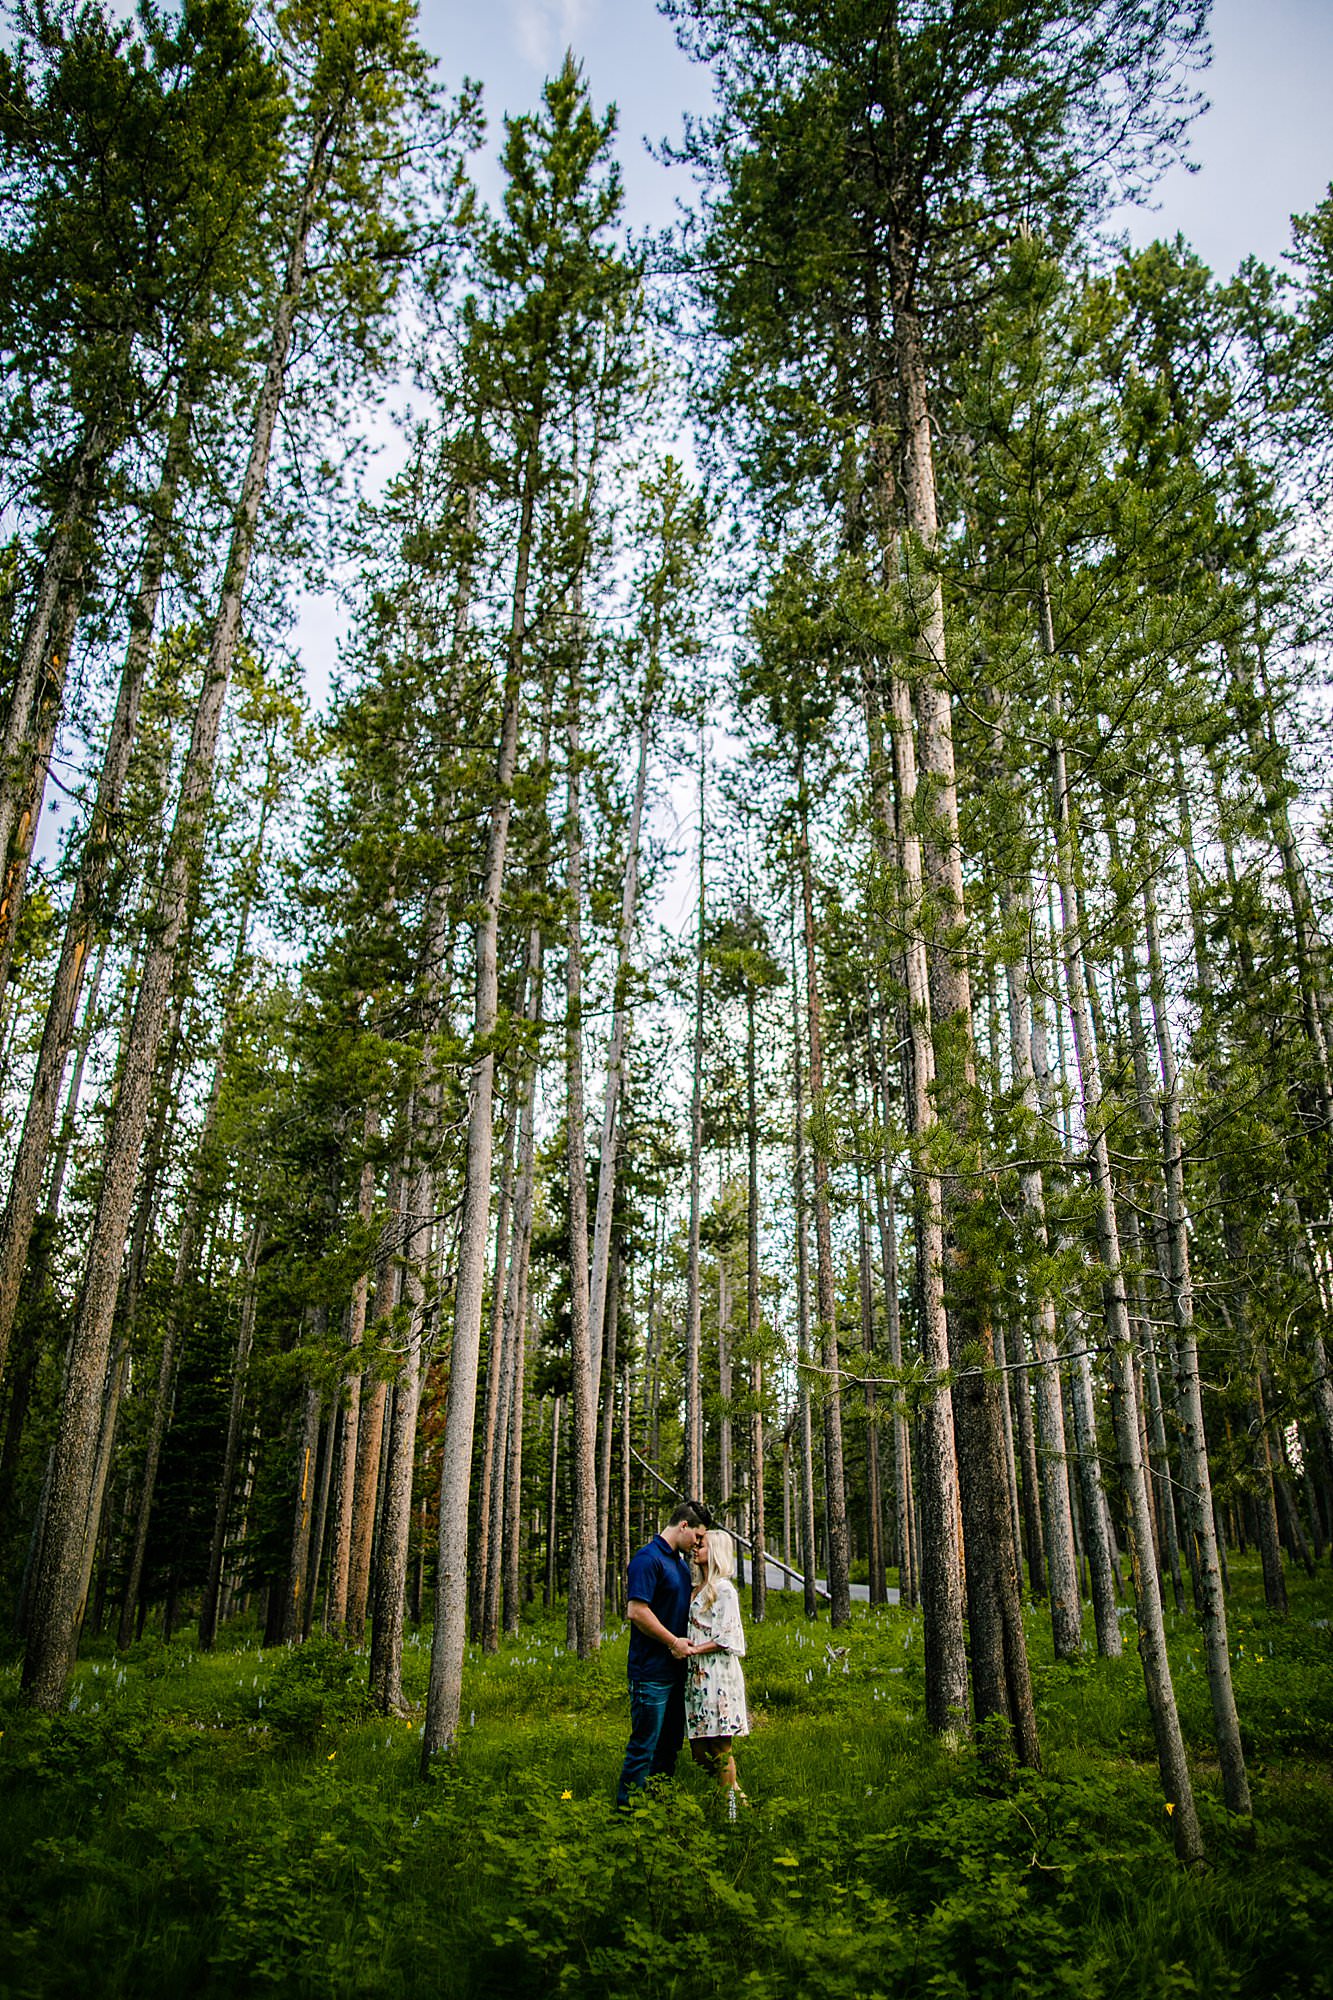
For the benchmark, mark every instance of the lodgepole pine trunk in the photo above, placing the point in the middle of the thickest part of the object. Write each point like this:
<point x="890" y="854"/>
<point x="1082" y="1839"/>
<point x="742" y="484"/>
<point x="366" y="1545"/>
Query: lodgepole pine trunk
<point x="494" y="1485"/>
<point x="445" y="1694"/>
<point x="245" y="1333"/>
<point x="615" y="1059"/>
<point x="85" y="906"/>
<point x="419" y="1246"/>
<point x="1057" y="1519"/>
<point x="753" y="1324"/>
<point x="42" y="726"/>
<point x="940" y="1549"/>
<point x="835" y="1510"/>
<point x="53" y="1633"/>
<point x="694" y="1408"/>
<point x="517" y="1335"/>
<point x="610" y="1343"/>
<point x="495" y="1410"/>
<point x="1171" y="1761"/>
<point x="1000" y="1676"/>
<point x="299" y="1561"/>
<point x="391" y="1552"/>
<point x="887" y="1224"/>
<point x="344" y="1481"/>
<point x="19" y="742"/>
<point x="1189" y="1395"/>
<point x="373" y="1402"/>
<point x="805" y="1427"/>
<point x="186" y="1247"/>
<point x="584" y="1606"/>
<point x="874" y="1496"/>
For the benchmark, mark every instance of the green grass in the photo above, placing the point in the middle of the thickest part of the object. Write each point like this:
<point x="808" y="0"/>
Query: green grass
<point x="237" y="1824"/>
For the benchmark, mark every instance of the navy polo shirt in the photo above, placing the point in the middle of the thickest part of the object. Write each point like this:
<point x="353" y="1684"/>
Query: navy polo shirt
<point x="659" y="1578"/>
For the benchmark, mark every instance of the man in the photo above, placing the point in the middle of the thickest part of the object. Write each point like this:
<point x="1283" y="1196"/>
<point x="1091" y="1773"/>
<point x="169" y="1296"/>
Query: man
<point x="659" y="1615"/>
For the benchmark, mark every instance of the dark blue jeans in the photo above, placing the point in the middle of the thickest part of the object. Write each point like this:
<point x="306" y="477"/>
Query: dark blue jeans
<point x="657" y="1730"/>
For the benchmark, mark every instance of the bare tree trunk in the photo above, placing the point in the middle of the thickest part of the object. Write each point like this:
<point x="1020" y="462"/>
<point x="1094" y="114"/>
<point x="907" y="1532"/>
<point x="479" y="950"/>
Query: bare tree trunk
<point x="694" y="1409"/>
<point x="609" y="1345"/>
<point x="20" y="743"/>
<point x="1171" y="1759"/>
<point x="495" y="1415"/>
<point x="299" y="1563"/>
<point x="208" y="1615"/>
<point x="553" y="1487"/>
<point x="328" y="1438"/>
<point x="1066" y="1610"/>
<point x="1193" y="1441"/>
<point x="85" y="906"/>
<point x="446" y="1666"/>
<point x="42" y="726"/>
<point x="887" y="1223"/>
<point x="840" y="1594"/>
<point x="344" y="1487"/>
<point x="615" y="1059"/>
<point x="754" y="1325"/>
<point x="52" y="1637"/>
<point x="584" y="1607"/>
<point x="941" y="1553"/>
<point x="807" y="1456"/>
<point x="373" y="1398"/>
<point x="874" y="1496"/>
<point x="391" y="1555"/>
<point x="518" y="1342"/>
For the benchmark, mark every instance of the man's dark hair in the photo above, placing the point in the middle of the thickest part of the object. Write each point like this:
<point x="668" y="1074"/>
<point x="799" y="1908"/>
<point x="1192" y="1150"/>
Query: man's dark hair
<point x="693" y="1513"/>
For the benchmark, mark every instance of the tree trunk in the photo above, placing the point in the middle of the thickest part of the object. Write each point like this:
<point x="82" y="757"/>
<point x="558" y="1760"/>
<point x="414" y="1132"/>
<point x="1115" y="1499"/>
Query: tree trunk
<point x="584" y="1607"/>
<point x="754" y="1327"/>
<point x="807" y="1458"/>
<point x="373" y="1398"/>
<point x="391" y="1555"/>
<point x="298" y="1567"/>
<point x="839" y="1572"/>
<point x="446" y="1666"/>
<point x="694" y="1409"/>
<point x="615" y="1059"/>
<point x="495" y="1417"/>
<point x="609" y="1346"/>
<point x="1066" y="1610"/>
<point x="1171" y="1760"/>
<point x="344" y="1487"/>
<point x="20" y="744"/>
<point x="940" y="1544"/>
<point x="42" y="726"/>
<point x="85" y="906"/>
<point x="874" y="1497"/>
<point x="52" y="1637"/>
<point x="208" y="1615"/>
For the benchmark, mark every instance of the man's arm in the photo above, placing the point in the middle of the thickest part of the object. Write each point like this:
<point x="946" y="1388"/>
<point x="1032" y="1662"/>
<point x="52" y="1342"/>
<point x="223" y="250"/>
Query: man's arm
<point x="647" y="1621"/>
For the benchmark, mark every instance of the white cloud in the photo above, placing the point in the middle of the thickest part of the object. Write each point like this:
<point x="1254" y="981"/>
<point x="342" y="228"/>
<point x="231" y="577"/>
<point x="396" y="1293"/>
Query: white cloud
<point x="544" y="29"/>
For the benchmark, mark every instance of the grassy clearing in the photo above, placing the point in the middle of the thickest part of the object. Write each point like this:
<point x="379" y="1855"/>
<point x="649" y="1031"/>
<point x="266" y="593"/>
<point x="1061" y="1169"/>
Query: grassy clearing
<point x="238" y="1825"/>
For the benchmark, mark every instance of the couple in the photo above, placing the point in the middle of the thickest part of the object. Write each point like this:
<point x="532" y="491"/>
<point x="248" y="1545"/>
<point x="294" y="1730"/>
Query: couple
<point x="685" y="1648"/>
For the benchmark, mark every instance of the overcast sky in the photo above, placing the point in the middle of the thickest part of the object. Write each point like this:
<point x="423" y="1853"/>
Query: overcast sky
<point x="1264" y="148"/>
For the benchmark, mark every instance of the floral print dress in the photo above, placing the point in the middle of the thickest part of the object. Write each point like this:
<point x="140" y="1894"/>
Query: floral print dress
<point x="714" y="1682"/>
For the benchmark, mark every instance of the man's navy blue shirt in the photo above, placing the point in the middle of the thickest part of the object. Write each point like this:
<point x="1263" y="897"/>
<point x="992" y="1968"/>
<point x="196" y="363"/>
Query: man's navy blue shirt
<point x="659" y="1578"/>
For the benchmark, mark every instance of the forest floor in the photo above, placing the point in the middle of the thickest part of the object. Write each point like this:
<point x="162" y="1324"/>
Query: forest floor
<point x="236" y="1824"/>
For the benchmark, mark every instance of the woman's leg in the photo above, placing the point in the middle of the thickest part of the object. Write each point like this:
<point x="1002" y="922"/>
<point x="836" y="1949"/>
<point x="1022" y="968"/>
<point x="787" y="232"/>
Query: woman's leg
<point x="715" y="1751"/>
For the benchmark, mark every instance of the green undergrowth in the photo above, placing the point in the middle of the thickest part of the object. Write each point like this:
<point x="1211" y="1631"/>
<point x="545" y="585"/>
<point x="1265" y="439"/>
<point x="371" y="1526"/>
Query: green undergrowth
<point x="242" y="1823"/>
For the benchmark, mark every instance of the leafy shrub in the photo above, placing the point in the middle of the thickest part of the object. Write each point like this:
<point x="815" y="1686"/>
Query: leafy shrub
<point x="317" y="1686"/>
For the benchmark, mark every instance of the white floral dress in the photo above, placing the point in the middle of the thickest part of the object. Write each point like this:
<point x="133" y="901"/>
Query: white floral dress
<point x="715" y="1682"/>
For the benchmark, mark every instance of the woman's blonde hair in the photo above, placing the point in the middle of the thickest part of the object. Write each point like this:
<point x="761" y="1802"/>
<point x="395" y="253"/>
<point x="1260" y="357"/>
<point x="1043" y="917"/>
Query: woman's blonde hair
<point x="721" y="1565"/>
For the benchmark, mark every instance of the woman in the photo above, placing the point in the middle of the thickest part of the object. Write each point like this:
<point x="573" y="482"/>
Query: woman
<point x="715" y="1711"/>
